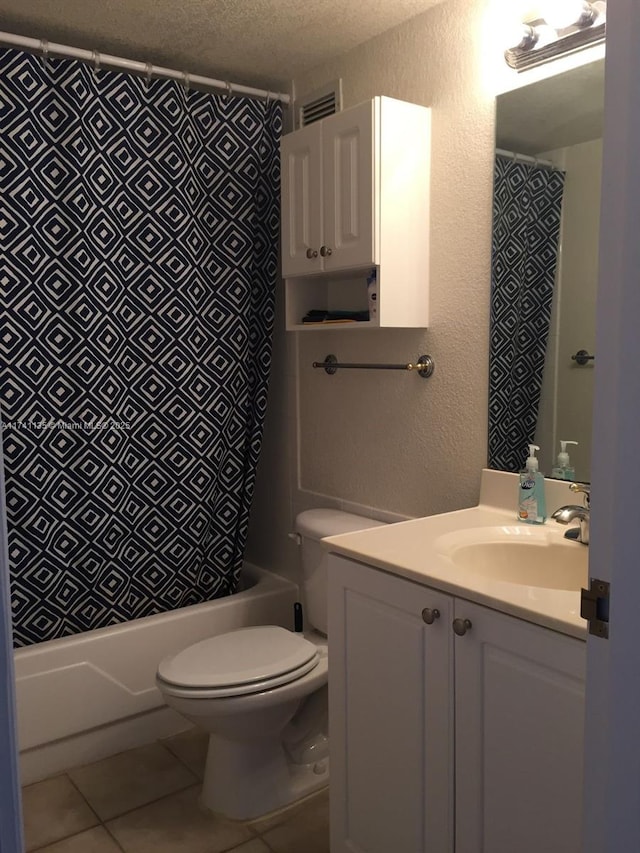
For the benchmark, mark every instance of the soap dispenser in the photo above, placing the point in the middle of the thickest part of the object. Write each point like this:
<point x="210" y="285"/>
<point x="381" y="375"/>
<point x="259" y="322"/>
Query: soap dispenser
<point x="564" y="470"/>
<point x="532" y="507"/>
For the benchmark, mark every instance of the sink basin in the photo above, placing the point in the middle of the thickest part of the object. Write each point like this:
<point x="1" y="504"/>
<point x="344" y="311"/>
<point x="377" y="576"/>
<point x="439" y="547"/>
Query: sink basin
<point x="518" y="556"/>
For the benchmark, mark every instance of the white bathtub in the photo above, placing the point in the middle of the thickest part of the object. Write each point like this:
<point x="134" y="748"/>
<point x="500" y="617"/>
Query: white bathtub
<point x="91" y="695"/>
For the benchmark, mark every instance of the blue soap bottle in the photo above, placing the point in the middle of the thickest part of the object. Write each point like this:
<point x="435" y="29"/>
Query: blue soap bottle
<point x="532" y="507"/>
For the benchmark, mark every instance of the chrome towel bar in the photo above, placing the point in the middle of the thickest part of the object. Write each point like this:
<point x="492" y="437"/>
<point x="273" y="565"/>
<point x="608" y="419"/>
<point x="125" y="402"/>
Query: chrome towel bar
<point x="424" y="366"/>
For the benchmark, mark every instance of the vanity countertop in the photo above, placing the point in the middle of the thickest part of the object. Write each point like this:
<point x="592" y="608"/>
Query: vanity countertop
<point x="408" y="549"/>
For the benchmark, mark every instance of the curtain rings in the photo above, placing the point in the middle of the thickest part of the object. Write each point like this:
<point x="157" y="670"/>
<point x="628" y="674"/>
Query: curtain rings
<point x="229" y="90"/>
<point x="148" y="70"/>
<point x="184" y="80"/>
<point x="95" y="59"/>
<point x="44" y="51"/>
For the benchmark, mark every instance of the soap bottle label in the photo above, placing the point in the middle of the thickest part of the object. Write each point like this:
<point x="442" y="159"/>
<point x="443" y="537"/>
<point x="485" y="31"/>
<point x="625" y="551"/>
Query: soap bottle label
<point x="531" y="503"/>
<point x="528" y="509"/>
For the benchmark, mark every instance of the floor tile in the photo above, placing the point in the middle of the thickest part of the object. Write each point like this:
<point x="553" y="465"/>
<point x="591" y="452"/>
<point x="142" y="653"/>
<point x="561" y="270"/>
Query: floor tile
<point x="131" y="779"/>
<point x="96" y="840"/>
<point x="255" y="846"/>
<point x="312" y="802"/>
<point x="52" y="810"/>
<point x="191" y="748"/>
<point x="307" y="830"/>
<point x="177" y="824"/>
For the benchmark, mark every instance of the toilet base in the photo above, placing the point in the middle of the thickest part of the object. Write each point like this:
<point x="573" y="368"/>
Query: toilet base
<point x="246" y="780"/>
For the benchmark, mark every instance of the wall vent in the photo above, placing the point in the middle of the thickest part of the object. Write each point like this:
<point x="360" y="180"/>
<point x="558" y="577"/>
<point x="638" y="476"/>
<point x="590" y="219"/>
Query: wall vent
<point x="319" y="104"/>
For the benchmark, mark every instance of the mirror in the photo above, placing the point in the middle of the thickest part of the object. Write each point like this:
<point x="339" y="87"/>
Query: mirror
<point x="560" y="121"/>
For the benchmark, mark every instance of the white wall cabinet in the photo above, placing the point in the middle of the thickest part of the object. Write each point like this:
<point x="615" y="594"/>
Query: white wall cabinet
<point x="355" y="196"/>
<point x="443" y="743"/>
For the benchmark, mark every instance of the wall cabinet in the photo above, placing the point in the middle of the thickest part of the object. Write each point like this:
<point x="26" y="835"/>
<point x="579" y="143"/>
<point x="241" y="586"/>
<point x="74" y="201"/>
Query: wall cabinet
<point x="443" y="742"/>
<point x="355" y="197"/>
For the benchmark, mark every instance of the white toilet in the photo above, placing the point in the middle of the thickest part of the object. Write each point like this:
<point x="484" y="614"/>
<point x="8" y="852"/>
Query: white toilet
<point x="261" y="693"/>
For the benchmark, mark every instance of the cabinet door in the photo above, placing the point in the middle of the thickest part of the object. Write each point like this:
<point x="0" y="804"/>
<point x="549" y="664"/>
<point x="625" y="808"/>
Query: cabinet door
<point x="519" y="736"/>
<point x="301" y="195"/>
<point x="348" y="178"/>
<point x="390" y="714"/>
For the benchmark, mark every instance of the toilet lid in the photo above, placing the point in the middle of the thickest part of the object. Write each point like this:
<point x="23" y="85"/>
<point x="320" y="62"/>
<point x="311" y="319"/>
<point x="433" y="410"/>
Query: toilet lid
<point x="243" y="657"/>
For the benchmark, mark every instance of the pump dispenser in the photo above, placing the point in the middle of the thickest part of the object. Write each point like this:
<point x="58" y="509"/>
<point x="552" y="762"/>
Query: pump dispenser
<point x="532" y="459"/>
<point x="532" y="507"/>
<point x="564" y="470"/>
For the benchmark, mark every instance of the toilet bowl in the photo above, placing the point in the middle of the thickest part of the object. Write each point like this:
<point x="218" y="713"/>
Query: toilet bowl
<point x="261" y="694"/>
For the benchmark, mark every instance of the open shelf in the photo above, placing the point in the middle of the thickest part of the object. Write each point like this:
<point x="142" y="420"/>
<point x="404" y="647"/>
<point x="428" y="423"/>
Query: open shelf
<point x="346" y="292"/>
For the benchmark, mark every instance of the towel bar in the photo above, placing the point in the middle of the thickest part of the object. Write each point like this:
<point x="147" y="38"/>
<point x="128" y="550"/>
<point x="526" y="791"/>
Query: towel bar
<point x="424" y="366"/>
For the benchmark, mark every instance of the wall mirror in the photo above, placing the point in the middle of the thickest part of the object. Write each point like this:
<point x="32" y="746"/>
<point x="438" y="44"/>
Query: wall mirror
<point x="544" y="269"/>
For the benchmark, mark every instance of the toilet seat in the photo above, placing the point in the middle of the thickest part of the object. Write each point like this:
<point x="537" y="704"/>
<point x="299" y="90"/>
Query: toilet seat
<point x="247" y="660"/>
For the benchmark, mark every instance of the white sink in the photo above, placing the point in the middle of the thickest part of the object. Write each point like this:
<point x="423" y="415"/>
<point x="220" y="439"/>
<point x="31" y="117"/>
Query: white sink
<point x="518" y="555"/>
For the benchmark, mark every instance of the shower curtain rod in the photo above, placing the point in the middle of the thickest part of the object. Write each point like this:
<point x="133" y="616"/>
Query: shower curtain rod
<point x="145" y="68"/>
<point x="525" y="158"/>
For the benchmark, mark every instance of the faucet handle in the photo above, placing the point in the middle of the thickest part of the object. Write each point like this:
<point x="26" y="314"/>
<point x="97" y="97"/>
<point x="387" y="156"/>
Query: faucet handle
<point x="582" y="488"/>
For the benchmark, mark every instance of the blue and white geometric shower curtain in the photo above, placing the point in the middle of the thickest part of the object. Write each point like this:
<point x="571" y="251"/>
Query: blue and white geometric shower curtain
<point x="527" y="209"/>
<point x="138" y="260"/>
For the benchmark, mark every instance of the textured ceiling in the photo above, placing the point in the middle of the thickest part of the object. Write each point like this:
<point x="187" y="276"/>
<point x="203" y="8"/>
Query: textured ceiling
<point x="256" y="42"/>
<point x="563" y="110"/>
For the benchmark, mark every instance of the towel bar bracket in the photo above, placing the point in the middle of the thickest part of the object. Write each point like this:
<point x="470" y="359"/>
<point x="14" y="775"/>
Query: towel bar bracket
<point x="424" y="366"/>
<point x="582" y="357"/>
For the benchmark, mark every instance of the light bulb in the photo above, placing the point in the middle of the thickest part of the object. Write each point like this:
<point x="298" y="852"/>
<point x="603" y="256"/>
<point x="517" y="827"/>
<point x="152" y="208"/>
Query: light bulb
<point x="545" y="35"/>
<point x="560" y="14"/>
<point x="521" y="36"/>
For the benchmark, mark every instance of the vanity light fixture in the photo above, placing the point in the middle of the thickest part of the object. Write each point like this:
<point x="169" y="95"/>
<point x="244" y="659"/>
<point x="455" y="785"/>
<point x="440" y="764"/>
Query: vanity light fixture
<point x="567" y="26"/>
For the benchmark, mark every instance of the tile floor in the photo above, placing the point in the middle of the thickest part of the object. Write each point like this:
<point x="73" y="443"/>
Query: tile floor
<point x="146" y="801"/>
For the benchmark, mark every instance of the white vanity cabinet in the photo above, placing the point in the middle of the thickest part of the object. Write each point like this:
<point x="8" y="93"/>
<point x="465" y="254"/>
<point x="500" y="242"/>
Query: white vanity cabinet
<point x="441" y="742"/>
<point x="519" y="727"/>
<point x="391" y="727"/>
<point x="355" y="197"/>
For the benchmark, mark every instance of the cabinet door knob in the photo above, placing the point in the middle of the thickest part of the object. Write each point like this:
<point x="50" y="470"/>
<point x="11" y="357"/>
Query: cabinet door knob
<point x="325" y="251"/>
<point x="312" y="253"/>
<point x="461" y="626"/>
<point x="430" y="615"/>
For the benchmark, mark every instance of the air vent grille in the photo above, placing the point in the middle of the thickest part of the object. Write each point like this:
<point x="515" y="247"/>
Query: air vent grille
<point x="320" y="104"/>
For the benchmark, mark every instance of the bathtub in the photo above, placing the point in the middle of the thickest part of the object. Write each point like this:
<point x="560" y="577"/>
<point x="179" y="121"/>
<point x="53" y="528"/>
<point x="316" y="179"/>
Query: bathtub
<point x="91" y="695"/>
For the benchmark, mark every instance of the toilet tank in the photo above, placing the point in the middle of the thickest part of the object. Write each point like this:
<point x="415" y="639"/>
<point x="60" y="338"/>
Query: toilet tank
<point x="313" y="525"/>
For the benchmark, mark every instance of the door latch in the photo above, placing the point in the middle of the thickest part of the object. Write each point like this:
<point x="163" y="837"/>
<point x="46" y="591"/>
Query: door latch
<point x="594" y="607"/>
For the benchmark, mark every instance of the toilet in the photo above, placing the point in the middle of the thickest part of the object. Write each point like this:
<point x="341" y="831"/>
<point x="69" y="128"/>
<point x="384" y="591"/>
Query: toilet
<point x="261" y="693"/>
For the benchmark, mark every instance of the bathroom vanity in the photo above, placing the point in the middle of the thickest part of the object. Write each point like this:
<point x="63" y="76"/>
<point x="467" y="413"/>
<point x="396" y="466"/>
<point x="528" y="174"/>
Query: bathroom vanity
<point x="456" y="686"/>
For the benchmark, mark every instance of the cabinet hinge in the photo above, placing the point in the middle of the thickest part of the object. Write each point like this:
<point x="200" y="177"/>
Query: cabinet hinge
<point x="594" y="607"/>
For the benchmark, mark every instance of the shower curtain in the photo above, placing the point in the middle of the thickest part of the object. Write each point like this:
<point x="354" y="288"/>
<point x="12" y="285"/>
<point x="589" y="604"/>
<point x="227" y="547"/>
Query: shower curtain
<point x="138" y="260"/>
<point x="527" y="207"/>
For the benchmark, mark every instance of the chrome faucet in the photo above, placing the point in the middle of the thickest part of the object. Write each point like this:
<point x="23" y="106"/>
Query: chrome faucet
<point x="567" y="514"/>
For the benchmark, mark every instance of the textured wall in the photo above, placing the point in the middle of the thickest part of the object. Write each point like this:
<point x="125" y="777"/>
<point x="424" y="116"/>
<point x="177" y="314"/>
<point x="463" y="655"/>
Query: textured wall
<point x="388" y="443"/>
<point x="381" y="442"/>
<point x="388" y="440"/>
